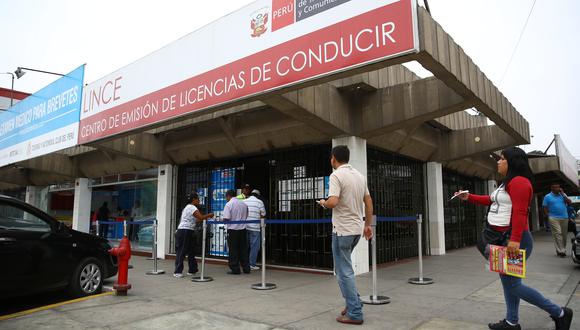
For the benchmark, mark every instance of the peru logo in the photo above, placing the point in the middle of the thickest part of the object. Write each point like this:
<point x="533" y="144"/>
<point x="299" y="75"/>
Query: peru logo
<point x="259" y="22"/>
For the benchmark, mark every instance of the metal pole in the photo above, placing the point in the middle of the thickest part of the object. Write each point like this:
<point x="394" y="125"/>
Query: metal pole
<point x="420" y="280"/>
<point x="155" y="271"/>
<point x="201" y="278"/>
<point x="263" y="285"/>
<point x="374" y="298"/>
<point x="153" y="255"/>
<point x="41" y="71"/>
<point x="124" y="234"/>
<point x="12" y="91"/>
<point x="97" y="228"/>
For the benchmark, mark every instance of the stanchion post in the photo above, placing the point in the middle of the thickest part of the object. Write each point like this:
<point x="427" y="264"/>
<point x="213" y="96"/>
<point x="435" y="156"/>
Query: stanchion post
<point x="155" y="227"/>
<point x="263" y="285"/>
<point x="124" y="234"/>
<point x="374" y="298"/>
<point x="202" y="278"/>
<point x="155" y="271"/>
<point x="420" y="280"/>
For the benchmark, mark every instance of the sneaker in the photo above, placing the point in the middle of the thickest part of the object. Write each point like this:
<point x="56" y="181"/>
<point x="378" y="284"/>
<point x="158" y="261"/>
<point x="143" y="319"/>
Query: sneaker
<point x="254" y="268"/>
<point x="563" y="323"/>
<point x="178" y="275"/>
<point x="503" y="325"/>
<point x="190" y="273"/>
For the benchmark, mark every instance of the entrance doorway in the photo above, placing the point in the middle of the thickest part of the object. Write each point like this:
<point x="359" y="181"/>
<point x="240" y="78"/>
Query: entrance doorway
<point x="290" y="182"/>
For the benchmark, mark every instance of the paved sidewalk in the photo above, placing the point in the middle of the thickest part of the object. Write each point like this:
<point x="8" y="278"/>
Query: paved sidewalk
<point x="464" y="296"/>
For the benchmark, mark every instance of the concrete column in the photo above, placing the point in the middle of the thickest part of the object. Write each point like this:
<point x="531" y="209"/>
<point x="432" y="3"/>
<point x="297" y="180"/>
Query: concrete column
<point x="82" y="205"/>
<point x="33" y="195"/>
<point x="44" y="199"/>
<point x="38" y="197"/>
<point x="358" y="160"/>
<point x="164" y="207"/>
<point x="435" y="200"/>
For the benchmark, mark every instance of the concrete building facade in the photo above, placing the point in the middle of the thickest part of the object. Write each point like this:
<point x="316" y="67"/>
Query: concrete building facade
<point x="410" y="136"/>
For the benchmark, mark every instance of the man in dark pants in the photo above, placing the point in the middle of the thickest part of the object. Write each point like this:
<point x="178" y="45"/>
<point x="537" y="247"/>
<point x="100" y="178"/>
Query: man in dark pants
<point x="184" y="236"/>
<point x="236" y="210"/>
<point x="103" y="215"/>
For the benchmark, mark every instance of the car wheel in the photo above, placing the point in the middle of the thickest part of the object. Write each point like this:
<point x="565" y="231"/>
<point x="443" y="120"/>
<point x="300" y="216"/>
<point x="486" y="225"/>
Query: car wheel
<point x="87" y="279"/>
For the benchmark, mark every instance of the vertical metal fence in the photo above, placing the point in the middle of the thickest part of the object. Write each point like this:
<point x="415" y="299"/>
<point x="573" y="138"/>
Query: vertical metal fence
<point x="211" y="190"/>
<point x="396" y="186"/>
<point x="463" y="221"/>
<point x="298" y="178"/>
<point x="292" y="180"/>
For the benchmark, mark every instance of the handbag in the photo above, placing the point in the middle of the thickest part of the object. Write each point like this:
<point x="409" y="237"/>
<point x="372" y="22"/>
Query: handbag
<point x="491" y="237"/>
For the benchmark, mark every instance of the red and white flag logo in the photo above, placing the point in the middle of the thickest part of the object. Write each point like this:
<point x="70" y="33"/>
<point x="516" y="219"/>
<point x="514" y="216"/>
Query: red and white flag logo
<point x="259" y="22"/>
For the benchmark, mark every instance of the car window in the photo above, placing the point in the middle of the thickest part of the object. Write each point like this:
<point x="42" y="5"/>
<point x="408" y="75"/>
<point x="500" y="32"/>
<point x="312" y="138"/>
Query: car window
<point x="14" y="218"/>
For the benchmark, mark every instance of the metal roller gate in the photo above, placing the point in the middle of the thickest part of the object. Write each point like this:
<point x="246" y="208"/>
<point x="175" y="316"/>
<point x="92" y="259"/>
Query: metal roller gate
<point x="396" y="186"/>
<point x="463" y="221"/>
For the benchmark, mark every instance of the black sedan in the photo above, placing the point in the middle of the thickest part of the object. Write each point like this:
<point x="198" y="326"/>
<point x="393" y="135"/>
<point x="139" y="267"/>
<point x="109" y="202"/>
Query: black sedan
<point x="39" y="253"/>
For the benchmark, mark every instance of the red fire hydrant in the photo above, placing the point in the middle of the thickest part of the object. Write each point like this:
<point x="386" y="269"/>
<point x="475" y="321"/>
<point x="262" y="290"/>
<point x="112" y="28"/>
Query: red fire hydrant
<point x="123" y="254"/>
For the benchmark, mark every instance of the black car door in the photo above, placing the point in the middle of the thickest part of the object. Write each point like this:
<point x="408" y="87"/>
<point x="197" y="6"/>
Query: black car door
<point x="30" y="260"/>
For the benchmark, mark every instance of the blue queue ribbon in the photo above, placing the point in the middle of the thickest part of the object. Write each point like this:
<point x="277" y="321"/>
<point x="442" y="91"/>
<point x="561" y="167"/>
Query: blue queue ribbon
<point x="150" y="222"/>
<point x="396" y="219"/>
<point x="307" y="221"/>
<point x="271" y="221"/>
<point x="140" y="222"/>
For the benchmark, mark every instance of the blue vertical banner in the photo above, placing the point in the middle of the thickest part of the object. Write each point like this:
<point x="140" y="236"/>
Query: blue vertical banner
<point x="222" y="180"/>
<point x="44" y="122"/>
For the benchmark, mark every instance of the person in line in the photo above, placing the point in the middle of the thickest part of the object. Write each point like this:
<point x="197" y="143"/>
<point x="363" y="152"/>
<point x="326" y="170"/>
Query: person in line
<point x="350" y="200"/>
<point x="555" y="209"/>
<point x="236" y="210"/>
<point x="256" y="211"/>
<point x="136" y="213"/>
<point x="246" y="192"/>
<point x="508" y="211"/>
<point x="184" y="236"/>
<point x="103" y="214"/>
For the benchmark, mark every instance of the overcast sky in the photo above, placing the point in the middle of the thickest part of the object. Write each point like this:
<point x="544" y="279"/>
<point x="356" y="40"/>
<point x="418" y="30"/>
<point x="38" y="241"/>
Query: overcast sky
<point x="541" y="81"/>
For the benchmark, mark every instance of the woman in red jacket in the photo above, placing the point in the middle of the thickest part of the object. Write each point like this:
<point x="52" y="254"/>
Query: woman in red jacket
<point x="508" y="210"/>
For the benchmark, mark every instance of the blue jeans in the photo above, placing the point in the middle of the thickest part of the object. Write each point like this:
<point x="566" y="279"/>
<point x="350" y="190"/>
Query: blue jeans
<point x="514" y="289"/>
<point x="342" y="247"/>
<point x="254" y="244"/>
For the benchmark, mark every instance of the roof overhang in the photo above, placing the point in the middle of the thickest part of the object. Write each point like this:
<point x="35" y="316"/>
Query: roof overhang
<point x="383" y="102"/>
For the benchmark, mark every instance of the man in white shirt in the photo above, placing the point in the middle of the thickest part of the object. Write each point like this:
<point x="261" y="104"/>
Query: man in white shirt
<point x="256" y="211"/>
<point x="136" y="210"/>
<point x="236" y="210"/>
<point x="135" y="215"/>
<point x="350" y="200"/>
